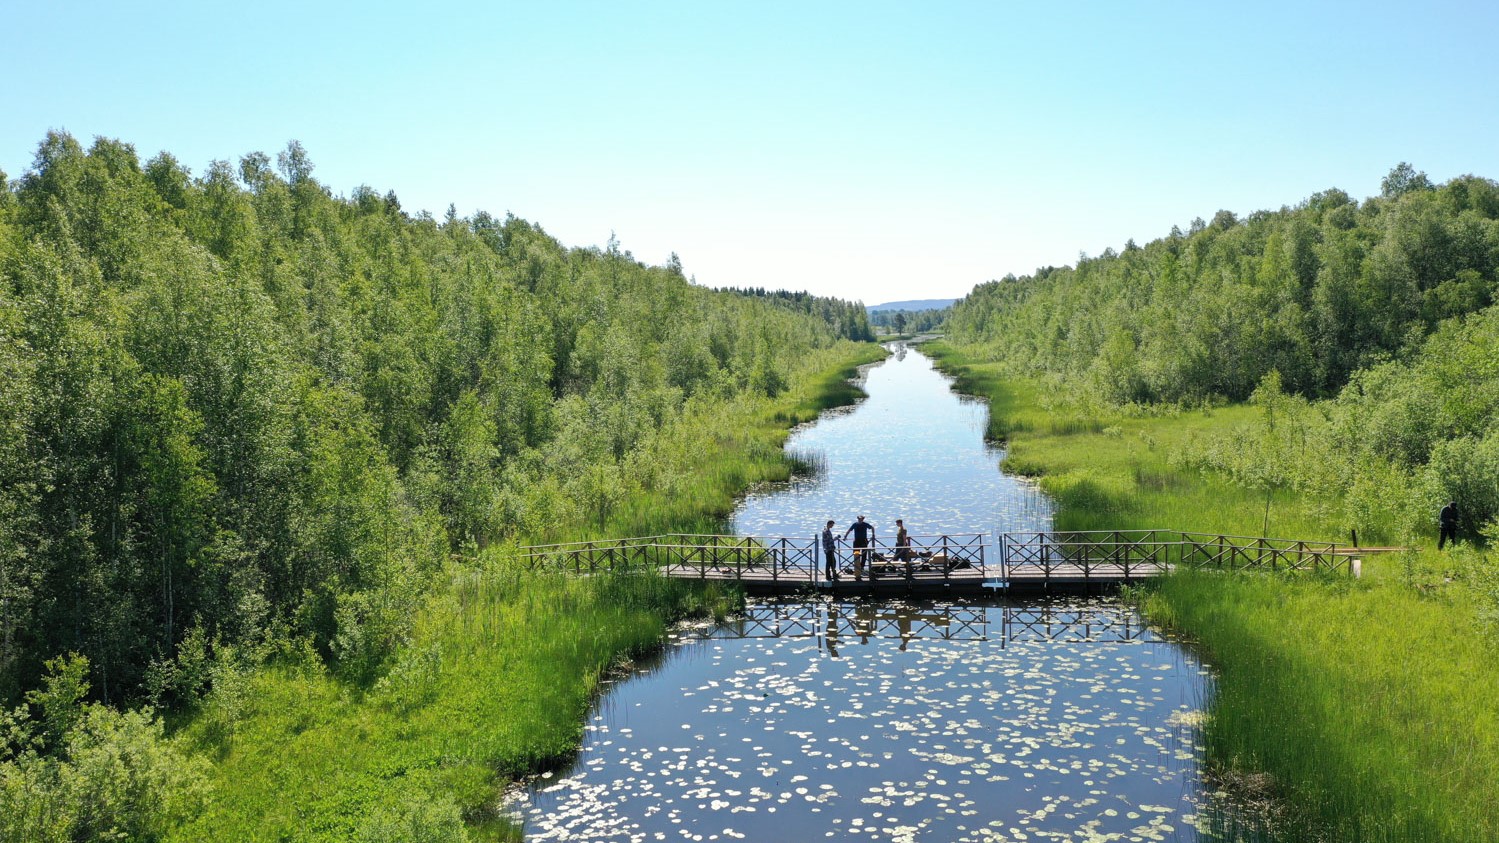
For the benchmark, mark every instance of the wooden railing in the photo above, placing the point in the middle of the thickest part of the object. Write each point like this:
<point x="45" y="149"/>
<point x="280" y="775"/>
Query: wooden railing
<point x="1054" y="555"/>
<point x="760" y="558"/>
<point x="1139" y="553"/>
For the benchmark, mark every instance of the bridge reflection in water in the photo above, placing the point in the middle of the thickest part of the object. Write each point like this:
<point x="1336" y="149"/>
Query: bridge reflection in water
<point x="835" y="624"/>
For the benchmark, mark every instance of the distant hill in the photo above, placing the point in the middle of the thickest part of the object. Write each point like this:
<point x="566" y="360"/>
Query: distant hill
<point x="919" y="304"/>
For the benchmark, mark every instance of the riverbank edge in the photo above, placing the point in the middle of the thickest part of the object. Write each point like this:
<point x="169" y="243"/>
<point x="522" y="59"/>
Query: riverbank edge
<point x="1321" y="698"/>
<point x="305" y="757"/>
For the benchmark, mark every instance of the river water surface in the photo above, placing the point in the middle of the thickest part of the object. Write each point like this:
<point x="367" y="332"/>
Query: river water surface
<point x="975" y="720"/>
<point x="914" y="449"/>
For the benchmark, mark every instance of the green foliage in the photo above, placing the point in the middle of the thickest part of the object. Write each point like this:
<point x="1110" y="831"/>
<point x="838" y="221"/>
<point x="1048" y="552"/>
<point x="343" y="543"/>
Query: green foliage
<point x="71" y="770"/>
<point x="241" y="418"/>
<point x="505" y="666"/>
<point x="909" y="321"/>
<point x="1399" y="441"/>
<point x="1367" y="702"/>
<point x="1384" y="311"/>
<point x="416" y="820"/>
<point x="60" y="699"/>
<point x="502" y="662"/>
<point x="236" y="403"/>
<point x="1479" y="571"/>
<point x="848" y="320"/>
<point x="1362" y="757"/>
<point x="1315" y="292"/>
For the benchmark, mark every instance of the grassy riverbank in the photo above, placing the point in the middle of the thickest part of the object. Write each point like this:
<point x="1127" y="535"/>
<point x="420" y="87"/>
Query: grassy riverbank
<point x="1369" y="704"/>
<point x="502" y="663"/>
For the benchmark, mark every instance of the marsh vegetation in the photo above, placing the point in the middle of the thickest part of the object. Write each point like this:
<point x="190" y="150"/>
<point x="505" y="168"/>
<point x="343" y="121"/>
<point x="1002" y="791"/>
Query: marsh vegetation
<point x="256" y="437"/>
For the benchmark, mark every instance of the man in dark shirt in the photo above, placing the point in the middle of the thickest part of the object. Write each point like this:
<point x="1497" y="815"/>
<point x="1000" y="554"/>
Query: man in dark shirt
<point x="863" y="531"/>
<point x="903" y="551"/>
<point x="1448" y="522"/>
<point x="830" y="552"/>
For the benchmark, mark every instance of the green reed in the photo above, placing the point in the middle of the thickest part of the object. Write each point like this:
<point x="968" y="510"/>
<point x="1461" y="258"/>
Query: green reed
<point x="502" y="663"/>
<point x="1369" y="703"/>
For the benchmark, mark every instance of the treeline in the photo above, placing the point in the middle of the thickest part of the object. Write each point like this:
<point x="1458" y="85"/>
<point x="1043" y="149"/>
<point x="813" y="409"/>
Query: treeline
<point x="1314" y="292"/>
<point x="909" y="321"/>
<point x="237" y="410"/>
<point x="1402" y="438"/>
<point x="847" y="318"/>
<point x="1366" y="332"/>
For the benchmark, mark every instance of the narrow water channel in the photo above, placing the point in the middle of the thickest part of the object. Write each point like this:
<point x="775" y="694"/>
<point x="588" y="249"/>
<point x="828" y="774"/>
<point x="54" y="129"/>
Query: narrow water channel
<point x="914" y="450"/>
<point x="975" y="720"/>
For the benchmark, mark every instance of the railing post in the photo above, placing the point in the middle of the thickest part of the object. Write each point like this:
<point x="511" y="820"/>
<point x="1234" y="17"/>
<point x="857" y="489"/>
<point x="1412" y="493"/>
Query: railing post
<point x="1044" y="556"/>
<point x="1004" y="558"/>
<point x="908" y="563"/>
<point x="815" y="577"/>
<point x="946" y="564"/>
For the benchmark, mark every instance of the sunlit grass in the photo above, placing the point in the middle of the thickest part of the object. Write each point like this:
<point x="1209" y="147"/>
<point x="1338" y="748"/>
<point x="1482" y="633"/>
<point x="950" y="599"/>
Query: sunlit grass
<point x="1116" y="471"/>
<point x="1372" y="706"/>
<point x="496" y="683"/>
<point x="502" y="662"/>
<point x="1370" y="703"/>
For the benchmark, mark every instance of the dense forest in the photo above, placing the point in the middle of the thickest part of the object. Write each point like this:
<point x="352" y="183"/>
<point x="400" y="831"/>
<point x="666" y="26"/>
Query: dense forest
<point x="236" y="408"/>
<point x="900" y="321"/>
<point x="848" y="318"/>
<point x="242" y="417"/>
<point x="1365" y="329"/>
<point x="1315" y="292"/>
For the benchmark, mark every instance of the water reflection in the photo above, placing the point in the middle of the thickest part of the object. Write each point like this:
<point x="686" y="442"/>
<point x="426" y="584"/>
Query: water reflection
<point x="925" y="721"/>
<point x="834" y="622"/>
<point x="913" y="449"/>
<point x="886" y="720"/>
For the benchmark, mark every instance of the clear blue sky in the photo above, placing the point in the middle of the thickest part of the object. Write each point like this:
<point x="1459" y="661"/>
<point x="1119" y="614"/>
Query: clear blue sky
<point x="869" y="150"/>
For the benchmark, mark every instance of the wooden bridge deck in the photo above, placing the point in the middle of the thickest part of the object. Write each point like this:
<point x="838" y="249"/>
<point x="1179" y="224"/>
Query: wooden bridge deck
<point x="1065" y="577"/>
<point x="948" y="564"/>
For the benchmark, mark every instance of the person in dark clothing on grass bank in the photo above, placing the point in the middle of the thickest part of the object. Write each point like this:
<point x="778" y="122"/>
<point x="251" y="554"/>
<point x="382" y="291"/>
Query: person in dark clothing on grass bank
<point x="830" y="552"/>
<point x="1448" y="521"/>
<point x="863" y="531"/>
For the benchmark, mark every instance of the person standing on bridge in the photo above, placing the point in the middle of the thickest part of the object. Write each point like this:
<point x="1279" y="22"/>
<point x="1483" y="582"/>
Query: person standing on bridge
<point x="830" y="552"/>
<point x="902" y="543"/>
<point x="863" y="531"/>
<point x="1448" y="522"/>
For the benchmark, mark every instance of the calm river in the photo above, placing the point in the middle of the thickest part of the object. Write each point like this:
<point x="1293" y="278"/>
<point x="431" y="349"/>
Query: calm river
<point x="980" y="720"/>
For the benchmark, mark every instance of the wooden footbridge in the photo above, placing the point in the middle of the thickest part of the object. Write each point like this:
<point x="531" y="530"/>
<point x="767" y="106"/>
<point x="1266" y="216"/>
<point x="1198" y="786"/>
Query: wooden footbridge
<point x="945" y="564"/>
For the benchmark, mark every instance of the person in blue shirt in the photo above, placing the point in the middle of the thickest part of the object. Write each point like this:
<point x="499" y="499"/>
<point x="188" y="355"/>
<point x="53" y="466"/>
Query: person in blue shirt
<point x="863" y="531"/>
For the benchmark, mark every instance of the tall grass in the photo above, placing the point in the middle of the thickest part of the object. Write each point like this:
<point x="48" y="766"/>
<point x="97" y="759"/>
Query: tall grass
<point x="1111" y="470"/>
<point x="496" y="683"/>
<point x="1373" y="707"/>
<point x="1371" y="704"/>
<point x="501" y="665"/>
